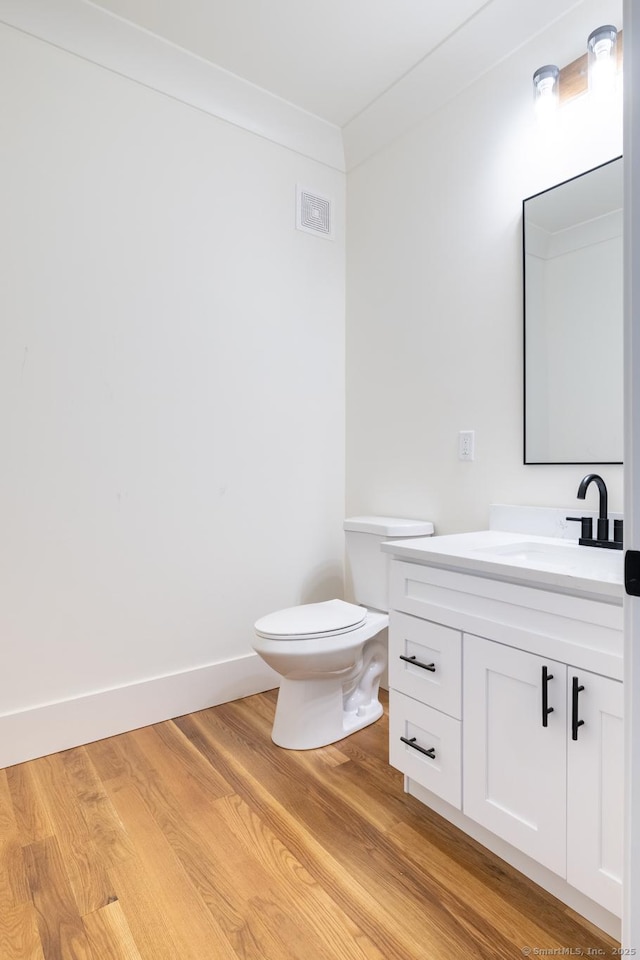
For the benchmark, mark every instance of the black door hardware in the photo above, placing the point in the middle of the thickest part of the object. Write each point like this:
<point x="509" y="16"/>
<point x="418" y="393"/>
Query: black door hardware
<point x="632" y="572"/>
<point x="431" y="752"/>
<point x="576" y="689"/>
<point x="416" y="663"/>
<point x="546" y="709"/>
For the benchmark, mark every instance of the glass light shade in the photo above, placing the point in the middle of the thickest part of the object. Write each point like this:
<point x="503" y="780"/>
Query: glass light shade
<point x="545" y="90"/>
<point x="602" y="61"/>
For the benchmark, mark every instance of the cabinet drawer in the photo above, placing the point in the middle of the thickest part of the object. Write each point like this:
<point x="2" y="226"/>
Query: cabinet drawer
<point x="433" y="731"/>
<point x="435" y="677"/>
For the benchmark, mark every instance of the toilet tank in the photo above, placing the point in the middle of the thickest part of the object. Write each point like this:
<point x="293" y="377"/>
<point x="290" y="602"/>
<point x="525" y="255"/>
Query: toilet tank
<point x="367" y="564"/>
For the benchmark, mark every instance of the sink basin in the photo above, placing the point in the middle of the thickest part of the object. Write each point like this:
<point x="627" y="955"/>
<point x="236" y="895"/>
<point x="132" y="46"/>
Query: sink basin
<point x="568" y="558"/>
<point x="526" y="552"/>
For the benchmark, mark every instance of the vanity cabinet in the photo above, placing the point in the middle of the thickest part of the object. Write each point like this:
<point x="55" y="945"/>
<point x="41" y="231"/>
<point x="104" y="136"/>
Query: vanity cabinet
<point x="489" y="684"/>
<point x="556" y="798"/>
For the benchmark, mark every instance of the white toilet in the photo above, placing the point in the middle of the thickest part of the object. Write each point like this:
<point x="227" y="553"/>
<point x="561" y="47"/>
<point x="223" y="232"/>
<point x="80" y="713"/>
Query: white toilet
<point x="330" y="655"/>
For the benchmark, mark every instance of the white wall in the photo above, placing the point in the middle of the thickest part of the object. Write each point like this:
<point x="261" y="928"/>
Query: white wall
<point x="172" y="382"/>
<point x="434" y="295"/>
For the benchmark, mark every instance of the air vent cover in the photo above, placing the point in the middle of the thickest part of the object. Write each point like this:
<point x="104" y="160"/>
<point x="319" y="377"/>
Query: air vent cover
<point x="313" y="213"/>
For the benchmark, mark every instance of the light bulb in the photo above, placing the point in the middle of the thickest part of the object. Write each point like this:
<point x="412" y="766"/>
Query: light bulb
<point x="545" y="91"/>
<point x="602" y="64"/>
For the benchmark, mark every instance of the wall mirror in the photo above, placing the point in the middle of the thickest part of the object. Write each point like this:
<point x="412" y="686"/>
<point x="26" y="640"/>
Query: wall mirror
<point x="573" y="331"/>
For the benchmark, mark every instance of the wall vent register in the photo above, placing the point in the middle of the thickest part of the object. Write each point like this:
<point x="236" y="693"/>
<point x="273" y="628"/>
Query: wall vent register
<point x="314" y="213"/>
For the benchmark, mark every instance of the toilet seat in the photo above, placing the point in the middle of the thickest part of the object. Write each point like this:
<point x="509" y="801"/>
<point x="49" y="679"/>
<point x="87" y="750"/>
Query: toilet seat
<point x="311" y="621"/>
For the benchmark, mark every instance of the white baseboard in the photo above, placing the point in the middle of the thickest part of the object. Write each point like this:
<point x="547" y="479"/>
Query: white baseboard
<point x="46" y="729"/>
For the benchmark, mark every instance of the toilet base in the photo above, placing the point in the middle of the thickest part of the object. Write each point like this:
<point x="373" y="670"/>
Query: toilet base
<point x="316" y="712"/>
<point x="362" y="717"/>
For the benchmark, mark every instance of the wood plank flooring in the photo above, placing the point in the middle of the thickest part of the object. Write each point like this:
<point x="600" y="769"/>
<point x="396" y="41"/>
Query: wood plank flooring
<point x="198" y="839"/>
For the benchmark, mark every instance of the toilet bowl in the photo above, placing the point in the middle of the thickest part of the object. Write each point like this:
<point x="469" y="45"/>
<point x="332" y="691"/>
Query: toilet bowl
<point x="331" y="655"/>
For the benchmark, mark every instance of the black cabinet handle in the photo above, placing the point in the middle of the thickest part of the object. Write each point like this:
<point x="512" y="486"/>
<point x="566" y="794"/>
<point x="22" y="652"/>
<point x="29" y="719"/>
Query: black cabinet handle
<point x="417" y="663"/>
<point x="575" y="723"/>
<point x="431" y="752"/>
<point x="546" y="709"/>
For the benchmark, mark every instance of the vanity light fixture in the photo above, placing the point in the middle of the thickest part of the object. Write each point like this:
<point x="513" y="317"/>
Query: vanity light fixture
<point x="596" y="72"/>
<point x="545" y="90"/>
<point x="602" y="62"/>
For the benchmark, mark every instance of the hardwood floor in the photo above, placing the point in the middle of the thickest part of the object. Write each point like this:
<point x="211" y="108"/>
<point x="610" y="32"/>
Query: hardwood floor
<point x="198" y="839"/>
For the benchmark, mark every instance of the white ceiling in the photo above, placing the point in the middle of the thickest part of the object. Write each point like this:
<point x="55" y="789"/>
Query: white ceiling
<point x="332" y="58"/>
<point x="334" y="80"/>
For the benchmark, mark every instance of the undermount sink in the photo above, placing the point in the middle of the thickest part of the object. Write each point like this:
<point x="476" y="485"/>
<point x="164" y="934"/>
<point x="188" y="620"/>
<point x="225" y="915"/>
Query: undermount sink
<point x="569" y="558"/>
<point x="530" y="551"/>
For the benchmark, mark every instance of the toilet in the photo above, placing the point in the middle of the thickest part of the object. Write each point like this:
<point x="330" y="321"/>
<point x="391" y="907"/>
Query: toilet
<point x="331" y="655"/>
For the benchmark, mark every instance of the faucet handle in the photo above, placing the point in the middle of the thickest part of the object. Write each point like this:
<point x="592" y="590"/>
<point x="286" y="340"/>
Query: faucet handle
<point x="586" y="527"/>
<point x="617" y="531"/>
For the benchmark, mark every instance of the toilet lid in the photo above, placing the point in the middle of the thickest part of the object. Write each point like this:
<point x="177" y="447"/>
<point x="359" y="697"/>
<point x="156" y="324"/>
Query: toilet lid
<point x="311" y="620"/>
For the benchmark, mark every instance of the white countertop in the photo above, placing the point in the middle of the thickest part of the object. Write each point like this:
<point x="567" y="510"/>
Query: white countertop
<point x="546" y="562"/>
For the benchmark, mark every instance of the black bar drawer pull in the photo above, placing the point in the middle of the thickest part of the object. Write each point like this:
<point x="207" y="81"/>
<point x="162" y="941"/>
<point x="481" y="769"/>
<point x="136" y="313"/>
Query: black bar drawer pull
<point x="425" y="666"/>
<point x="431" y="752"/>
<point x="576" y="689"/>
<point x="546" y="709"/>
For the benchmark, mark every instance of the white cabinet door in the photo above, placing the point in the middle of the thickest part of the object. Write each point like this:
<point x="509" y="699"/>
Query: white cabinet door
<point x="514" y="765"/>
<point x="595" y="785"/>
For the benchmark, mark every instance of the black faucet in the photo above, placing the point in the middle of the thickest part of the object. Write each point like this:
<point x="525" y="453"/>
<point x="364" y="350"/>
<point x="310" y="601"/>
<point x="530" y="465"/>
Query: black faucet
<point x="603" y="518"/>
<point x="602" y="537"/>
